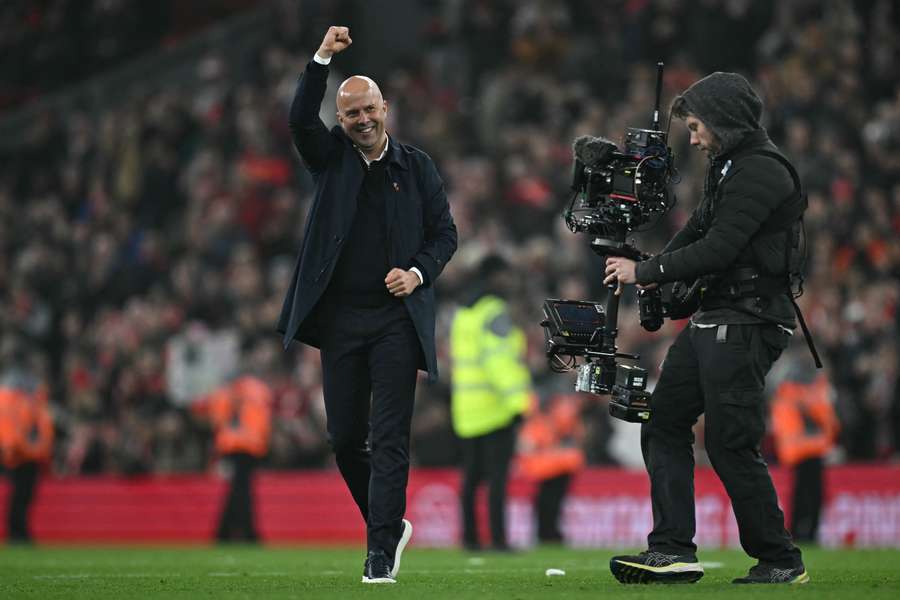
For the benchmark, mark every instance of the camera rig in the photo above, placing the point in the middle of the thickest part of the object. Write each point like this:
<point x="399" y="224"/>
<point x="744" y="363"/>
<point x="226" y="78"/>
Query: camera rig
<point x="614" y="193"/>
<point x="587" y="329"/>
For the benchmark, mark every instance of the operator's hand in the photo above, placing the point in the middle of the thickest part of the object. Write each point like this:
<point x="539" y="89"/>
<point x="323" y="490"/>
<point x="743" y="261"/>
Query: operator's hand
<point x="337" y="39"/>
<point x="621" y="270"/>
<point x="401" y="283"/>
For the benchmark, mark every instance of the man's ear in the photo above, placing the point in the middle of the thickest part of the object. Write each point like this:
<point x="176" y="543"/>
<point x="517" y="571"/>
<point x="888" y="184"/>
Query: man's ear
<point x="384" y="106"/>
<point x="339" y="118"/>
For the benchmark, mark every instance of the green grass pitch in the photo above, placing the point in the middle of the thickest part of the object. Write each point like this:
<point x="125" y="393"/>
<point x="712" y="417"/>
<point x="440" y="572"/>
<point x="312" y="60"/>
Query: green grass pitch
<point x="261" y="573"/>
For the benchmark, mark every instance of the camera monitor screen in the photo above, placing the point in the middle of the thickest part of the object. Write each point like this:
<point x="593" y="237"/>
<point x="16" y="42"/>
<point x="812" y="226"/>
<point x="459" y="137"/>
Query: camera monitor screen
<point x="570" y="325"/>
<point x="575" y="318"/>
<point x="580" y="317"/>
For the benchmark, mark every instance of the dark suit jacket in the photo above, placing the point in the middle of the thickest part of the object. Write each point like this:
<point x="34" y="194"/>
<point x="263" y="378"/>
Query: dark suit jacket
<point x="421" y="232"/>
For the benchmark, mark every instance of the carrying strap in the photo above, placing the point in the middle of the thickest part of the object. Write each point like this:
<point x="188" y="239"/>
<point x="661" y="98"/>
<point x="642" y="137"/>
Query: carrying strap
<point x="789" y="233"/>
<point x="806" y="333"/>
<point x="792" y="231"/>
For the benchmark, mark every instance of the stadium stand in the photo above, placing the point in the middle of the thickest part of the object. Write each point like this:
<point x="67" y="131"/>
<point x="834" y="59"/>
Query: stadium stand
<point x="149" y="214"/>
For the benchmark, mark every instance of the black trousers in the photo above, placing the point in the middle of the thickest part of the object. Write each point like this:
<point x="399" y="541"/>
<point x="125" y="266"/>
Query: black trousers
<point x="486" y="458"/>
<point x="807" y="503"/>
<point x="369" y="361"/>
<point x="236" y="522"/>
<point x="23" y="479"/>
<point x="719" y="372"/>
<point x="550" y="496"/>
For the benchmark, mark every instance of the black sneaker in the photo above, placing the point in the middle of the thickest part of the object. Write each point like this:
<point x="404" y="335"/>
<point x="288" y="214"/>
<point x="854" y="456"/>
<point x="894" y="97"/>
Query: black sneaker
<point x="377" y="569"/>
<point x="763" y="573"/>
<point x="655" y="567"/>
<point x="404" y="539"/>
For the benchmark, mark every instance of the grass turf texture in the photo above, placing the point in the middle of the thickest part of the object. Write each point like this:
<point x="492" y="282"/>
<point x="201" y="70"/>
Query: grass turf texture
<point x="263" y="573"/>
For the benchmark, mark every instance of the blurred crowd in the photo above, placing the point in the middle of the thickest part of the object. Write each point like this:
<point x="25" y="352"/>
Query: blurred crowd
<point x="147" y="244"/>
<point x="46" y="45"/>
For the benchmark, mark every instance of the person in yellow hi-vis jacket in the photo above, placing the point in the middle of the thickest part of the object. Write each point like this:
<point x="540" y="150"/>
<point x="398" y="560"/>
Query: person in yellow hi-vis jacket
<point x="491" y="391"/>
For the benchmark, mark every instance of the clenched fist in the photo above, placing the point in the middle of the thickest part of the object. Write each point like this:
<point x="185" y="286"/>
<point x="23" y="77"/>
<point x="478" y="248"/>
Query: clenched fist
<point x="401" y="283"/>
<point x="336" y="39"/>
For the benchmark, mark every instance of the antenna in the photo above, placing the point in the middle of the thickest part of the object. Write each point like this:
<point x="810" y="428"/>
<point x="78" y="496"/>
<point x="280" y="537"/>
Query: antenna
<point x="659" y="79"/>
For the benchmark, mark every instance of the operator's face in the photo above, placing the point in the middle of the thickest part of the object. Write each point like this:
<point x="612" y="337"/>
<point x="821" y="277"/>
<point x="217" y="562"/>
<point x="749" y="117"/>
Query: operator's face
<point x="701" y="136"/>
<point x="361" y="112"/>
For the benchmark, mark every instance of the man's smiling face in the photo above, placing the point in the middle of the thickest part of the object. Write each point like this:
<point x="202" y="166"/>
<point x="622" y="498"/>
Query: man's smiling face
<point x="361" y="113"/>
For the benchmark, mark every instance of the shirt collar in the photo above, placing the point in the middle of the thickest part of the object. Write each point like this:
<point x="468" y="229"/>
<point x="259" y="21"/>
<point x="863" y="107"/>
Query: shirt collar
<point x="387" y="144"/>
<point x="392" y="150"/>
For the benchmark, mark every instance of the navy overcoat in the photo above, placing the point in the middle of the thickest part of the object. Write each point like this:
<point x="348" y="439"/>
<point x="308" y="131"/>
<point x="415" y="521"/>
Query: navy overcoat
<point x="421" y="231"/>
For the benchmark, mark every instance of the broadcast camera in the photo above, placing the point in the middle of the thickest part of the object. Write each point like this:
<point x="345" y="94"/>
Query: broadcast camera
<point x="615" y="192"/>
<point x="618" y="192"/>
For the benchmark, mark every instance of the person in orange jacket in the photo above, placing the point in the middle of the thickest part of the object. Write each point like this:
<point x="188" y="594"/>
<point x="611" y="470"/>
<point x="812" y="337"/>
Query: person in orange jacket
<point x="240" y="413"/>
<point x="550" y="452"/>
<point x="26" y="440"/>
<point x="805" y="428"/>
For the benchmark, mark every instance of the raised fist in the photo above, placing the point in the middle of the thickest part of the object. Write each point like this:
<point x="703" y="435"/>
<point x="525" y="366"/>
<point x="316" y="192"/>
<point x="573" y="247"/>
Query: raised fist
<point x="336" y="39"/>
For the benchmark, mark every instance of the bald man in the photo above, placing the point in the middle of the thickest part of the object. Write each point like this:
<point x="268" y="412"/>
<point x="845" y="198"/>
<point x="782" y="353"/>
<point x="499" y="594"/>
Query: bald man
<point x="378" y="234"/>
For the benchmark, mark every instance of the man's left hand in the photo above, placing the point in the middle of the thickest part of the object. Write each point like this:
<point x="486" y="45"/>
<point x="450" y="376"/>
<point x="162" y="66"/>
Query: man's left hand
<point x="621" y="270"/>
<point x="401" y="283"/>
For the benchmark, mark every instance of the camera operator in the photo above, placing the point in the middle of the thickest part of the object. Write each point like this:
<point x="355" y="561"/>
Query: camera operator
<point x="738" y="242"/>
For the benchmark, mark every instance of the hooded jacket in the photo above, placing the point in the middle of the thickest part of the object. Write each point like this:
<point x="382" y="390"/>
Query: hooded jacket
<point x="749" y="206"/>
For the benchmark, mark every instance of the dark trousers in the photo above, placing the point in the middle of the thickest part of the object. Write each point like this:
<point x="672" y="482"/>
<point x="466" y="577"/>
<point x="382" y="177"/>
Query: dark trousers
<point x="807" y="504"/>
<point x="550" y="496"/>
<point x="236" y="522"/>
<point x="487" y="458"/>
<point x="369" y="361"/>
<point x="720" y="373"/>
<point x="23" y="480"/>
